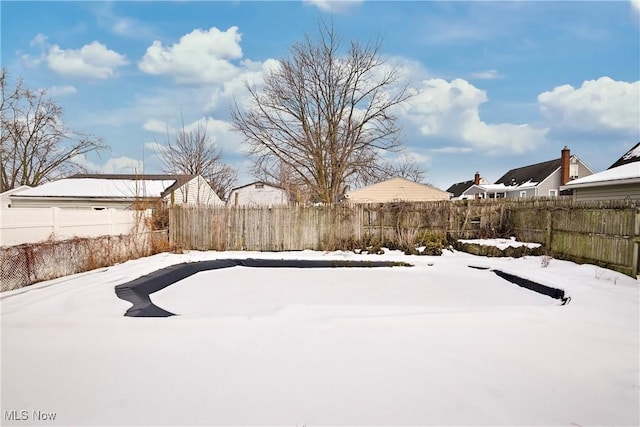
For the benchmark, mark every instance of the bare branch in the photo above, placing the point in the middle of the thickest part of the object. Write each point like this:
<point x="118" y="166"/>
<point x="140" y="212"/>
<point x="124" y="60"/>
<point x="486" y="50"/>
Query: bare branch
<point x="35" y="144"/>
<point x="323" y="116"/>
<point x="193" y="152"/>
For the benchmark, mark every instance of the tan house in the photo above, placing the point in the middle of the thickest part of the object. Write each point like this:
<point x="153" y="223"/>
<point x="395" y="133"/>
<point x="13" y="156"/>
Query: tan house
<point x="396" y="190"/>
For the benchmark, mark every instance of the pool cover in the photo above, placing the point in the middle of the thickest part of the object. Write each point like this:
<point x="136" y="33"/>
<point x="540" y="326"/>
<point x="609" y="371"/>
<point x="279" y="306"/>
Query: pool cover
<point x="137" y="291"/>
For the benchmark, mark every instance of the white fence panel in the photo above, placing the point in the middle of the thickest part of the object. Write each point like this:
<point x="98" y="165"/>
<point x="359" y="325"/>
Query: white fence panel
<point x="32" y="225"/>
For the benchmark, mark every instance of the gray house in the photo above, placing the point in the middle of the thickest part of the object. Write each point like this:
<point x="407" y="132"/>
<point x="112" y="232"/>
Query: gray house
<point x="472" y="189"/>
<point x="543" y="179"/>
<point x="620" y="181"/>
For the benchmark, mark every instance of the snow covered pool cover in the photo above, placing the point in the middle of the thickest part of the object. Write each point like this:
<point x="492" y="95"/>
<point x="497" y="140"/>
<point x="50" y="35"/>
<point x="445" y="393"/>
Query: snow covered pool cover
<point x="137" y="291"/>
<point x="435" y="344"/>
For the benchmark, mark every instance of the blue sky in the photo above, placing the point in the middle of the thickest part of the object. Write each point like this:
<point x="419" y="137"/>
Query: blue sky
<point x="498" y="84"/>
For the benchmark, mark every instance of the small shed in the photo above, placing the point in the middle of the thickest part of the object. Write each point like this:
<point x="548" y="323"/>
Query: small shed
<point x="258" y="193"/>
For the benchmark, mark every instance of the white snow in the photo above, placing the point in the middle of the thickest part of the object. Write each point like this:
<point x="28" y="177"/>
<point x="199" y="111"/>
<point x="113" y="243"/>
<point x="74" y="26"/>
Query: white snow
<point x="619" y="173"/>
<point x="500" y="243"/>
<point x="634" y="152"/>
<point x="95" y="187"/>
<point x="502" y="188"/>
<point x="435" y="344"/>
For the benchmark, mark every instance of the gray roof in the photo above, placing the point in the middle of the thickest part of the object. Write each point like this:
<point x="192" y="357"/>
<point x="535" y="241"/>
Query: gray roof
<point x="460" y="187"/>
<point x="630" y="156"/>
<point x="535" y="173"/>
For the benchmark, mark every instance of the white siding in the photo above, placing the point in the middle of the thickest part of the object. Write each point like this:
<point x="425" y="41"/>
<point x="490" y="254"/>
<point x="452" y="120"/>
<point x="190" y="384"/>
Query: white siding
<point x="254" y="195"/>
<point x="71" y="203"/>
<point x="195" y="192"/>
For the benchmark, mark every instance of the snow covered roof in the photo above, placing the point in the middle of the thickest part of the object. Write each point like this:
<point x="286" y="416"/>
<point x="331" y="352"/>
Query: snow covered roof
<point x="626" y="173"/>
<point x="502" y="188"/>
<point x="99" y="188"/>
<point x="630" y="156"/>
<point x="528" y="174"/>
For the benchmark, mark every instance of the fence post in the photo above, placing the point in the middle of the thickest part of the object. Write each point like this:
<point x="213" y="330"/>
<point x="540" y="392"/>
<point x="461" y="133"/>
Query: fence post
<point x="549" y="229"/>
<point x="172" y="227"/>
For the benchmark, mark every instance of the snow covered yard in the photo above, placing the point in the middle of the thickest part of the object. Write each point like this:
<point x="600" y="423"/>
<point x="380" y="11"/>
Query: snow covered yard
<point x="435" y="344"/>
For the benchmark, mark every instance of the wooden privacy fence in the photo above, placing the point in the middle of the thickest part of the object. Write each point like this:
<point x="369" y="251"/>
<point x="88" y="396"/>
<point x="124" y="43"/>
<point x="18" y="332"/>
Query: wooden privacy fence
<point x="604" y="233"/>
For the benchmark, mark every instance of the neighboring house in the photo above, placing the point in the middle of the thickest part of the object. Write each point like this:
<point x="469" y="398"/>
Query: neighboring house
<point x="258" y="193"/>
<point x="471" y="189"/>
<point x="5" y="200"/>
<point x="543" y="179"/>
<point x="117" y="191"/>
<point x="620" y="181"/>
<point x="540" y="179"/>
<point x="394" y="190"/>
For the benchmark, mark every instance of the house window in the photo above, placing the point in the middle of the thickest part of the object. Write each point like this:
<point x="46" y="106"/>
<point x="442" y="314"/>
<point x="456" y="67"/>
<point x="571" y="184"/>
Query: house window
<point x="260" y="186"/>
<point x="523" y="194"/>
<point x="573" y="171"/>
<point x="553" y="193"/>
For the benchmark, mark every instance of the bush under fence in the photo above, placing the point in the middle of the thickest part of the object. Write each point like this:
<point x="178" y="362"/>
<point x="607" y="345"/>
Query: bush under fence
<point x="30" y="263"/>
<point x="603" y="233"/>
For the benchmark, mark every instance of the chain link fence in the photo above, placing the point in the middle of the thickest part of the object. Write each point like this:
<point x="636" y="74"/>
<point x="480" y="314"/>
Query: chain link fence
<point x="30" y="263"/>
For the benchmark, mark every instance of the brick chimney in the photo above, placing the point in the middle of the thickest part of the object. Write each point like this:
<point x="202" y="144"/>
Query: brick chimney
<point x="564" y="165"/>
<point x="476" y="178"/>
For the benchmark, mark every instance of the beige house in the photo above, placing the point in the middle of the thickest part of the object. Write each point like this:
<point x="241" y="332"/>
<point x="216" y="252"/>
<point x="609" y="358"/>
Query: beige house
<point x="100" y="192"/>
<point x="396" y="190"/>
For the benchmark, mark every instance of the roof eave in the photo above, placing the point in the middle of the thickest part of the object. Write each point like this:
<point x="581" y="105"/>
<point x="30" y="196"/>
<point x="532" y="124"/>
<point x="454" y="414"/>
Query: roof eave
<point x="601" y="183"/>
<point x="77" y="198"/>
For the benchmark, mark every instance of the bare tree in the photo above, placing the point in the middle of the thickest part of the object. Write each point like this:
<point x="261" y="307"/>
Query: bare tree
<point x="327" y="116"/>
<point x="403" y="167"/>
<point x="193" y="152"/>
<point x="35" y="144"/>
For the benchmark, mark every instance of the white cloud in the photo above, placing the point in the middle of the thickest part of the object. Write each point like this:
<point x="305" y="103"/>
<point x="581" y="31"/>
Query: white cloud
<point x="93" y="60"/>
<point x="218" y="131"/>
<point x="107" y="17"/>
<point x="221" y="133"/>
<point x="124" y="26"/>
<point x="450" y="110"/>
<point x="635" y="8"/>
<point x="596" y="105"/>
<point x="334" y="6"/>
<point x="451" y="150"/>
<point x="40" y="40"/>
<point x="487" y="75"/>
<point x="61" y="90"/>
<point x="155" y="147"/>
<point x="157" y="126"/>
<point x="199" y="57"/>
<point x="234" y="90"/>
<point x="113" y="165"/>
